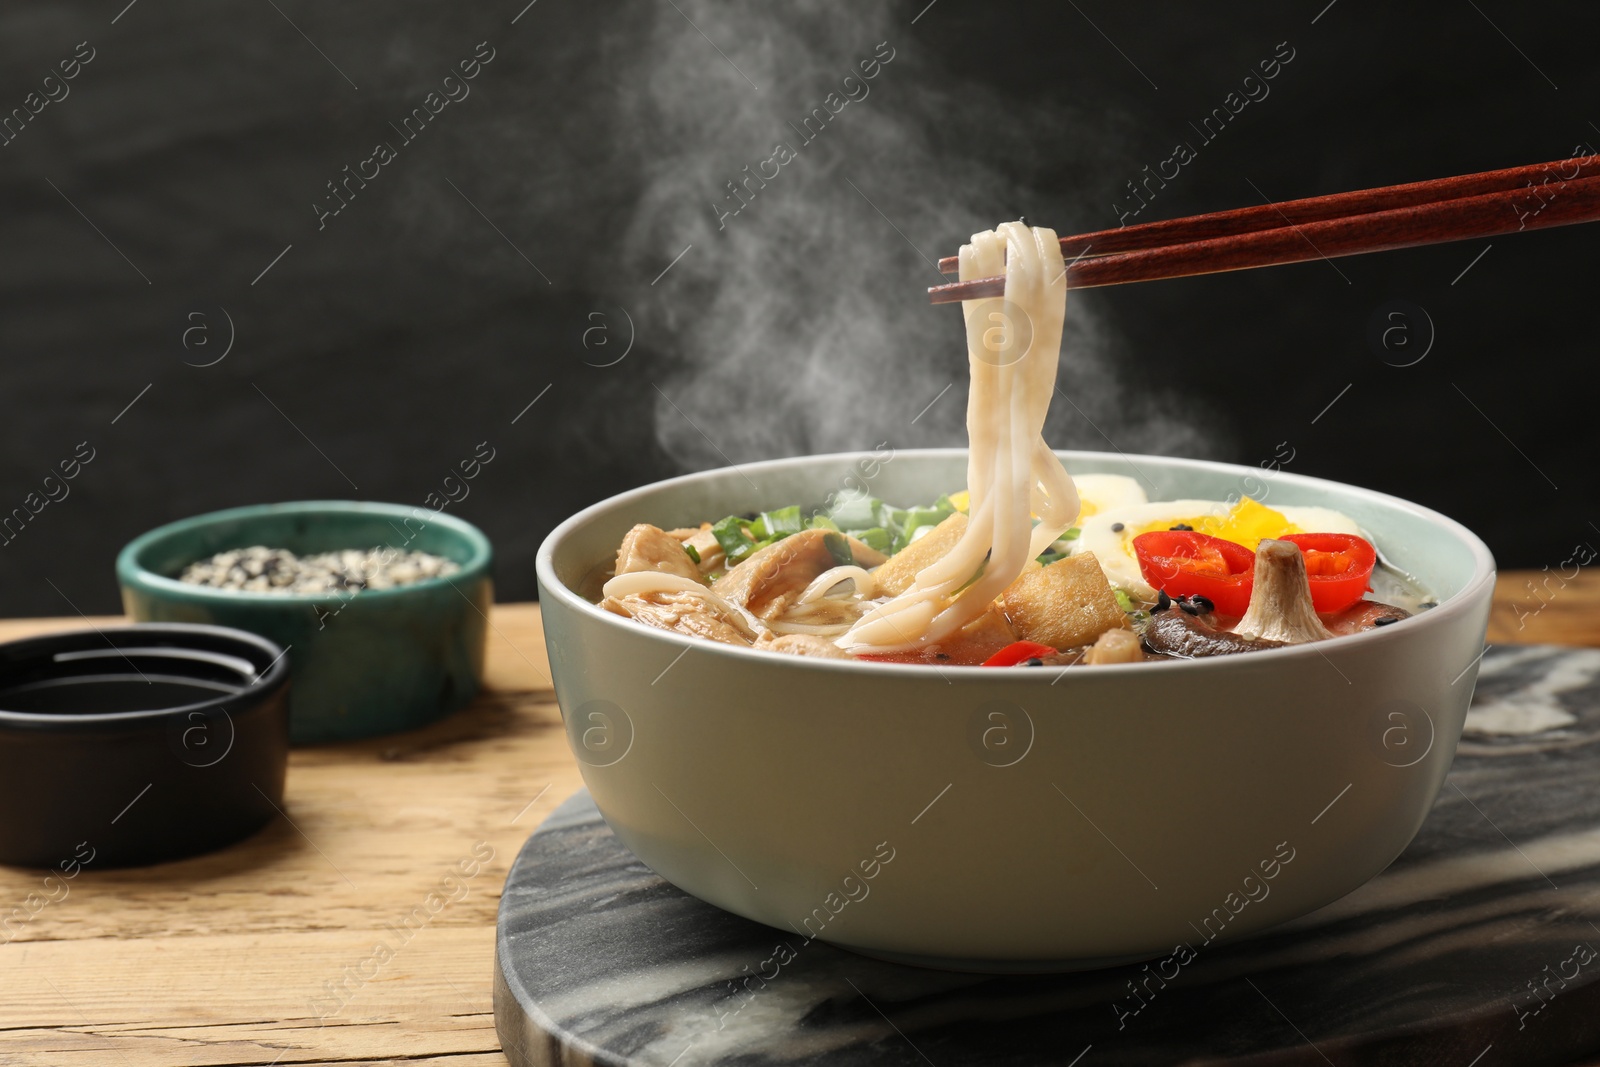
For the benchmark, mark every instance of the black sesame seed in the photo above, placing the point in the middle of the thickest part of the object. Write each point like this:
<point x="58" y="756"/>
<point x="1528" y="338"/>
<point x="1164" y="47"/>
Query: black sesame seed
<point x="1202" y="604"/>
<point x="1117" y="527"/>
<point x="1384" y="620"/>
<point x="1187" y="607"/>
<point x="1181" y="526"/>
<point x="1034" y="662"/>
<point x="1163" y="602"/>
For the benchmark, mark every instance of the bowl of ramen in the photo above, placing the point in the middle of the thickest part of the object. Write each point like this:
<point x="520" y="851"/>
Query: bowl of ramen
<point x="1008" y="708"/>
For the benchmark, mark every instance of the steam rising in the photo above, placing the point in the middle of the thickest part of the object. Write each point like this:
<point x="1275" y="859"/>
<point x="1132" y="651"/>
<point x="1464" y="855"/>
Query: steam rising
<point x="802" y="326"/>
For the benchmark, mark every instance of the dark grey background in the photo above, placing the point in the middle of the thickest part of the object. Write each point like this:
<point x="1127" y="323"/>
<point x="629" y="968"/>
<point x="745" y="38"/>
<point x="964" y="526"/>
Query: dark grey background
<point x="458" y="286"/>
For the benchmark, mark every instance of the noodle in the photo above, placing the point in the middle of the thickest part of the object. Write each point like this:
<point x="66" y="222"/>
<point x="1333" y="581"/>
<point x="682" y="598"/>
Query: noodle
<point x="833" y="629"/>
<point x="973" y="591"/>
<point x="814" y="612"/>
<point x="648" y="583"/>
<point x="865" y="585"/>
<point x="1011" y="472"/>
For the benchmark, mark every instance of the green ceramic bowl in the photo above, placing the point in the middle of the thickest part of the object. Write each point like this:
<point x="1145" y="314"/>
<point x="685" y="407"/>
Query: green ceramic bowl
<point x="369" y="663"/>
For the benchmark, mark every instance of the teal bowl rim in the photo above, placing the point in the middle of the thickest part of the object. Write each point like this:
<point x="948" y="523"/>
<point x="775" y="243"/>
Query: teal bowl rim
<point x="133" y="574"/>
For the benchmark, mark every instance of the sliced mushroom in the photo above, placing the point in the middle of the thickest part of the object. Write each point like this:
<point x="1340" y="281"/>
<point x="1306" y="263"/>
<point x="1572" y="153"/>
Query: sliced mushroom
<point x="1364" y="615"/>
<point x="1183" y="636"/>
<point x="1280" y="602"/>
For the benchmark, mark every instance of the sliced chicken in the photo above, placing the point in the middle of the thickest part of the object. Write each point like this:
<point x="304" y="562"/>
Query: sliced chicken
<point x="685" y="613"/>
<point x="773" y="578"/>
<point x="806" y="645"/>
<point x="710" y="549"/>
<point x="705" y="544"/>
<point x="650" y="548"/>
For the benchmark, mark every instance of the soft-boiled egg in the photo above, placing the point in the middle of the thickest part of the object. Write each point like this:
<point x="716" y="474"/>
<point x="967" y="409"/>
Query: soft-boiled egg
<point x="1096" y="493"/>
<point x="1109" y="534"/>
<point x="1106" y="492"/>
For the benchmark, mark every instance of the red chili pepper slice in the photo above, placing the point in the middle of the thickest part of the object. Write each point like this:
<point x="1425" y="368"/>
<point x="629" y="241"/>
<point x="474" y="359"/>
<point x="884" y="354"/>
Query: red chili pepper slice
<point x="1017" y="652"/>
<point x="1339" y="567"/>
<point x="1186" y="563"/>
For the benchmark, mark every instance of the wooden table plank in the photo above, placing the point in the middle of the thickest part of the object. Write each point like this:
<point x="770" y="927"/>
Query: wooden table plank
<point x="269" y="951"/>
<point x="1542" y="607"/>
<point x="227" y="958"/>
<point x="296" y="998"/>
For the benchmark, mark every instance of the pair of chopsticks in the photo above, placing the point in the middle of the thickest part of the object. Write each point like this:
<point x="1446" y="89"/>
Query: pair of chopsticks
<point x="1462" y="208"/>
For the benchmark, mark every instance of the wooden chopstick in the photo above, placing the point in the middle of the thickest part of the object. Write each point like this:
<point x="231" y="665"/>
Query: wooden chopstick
<point x="1560" y="202"/>
<point x="1314" y="209"/>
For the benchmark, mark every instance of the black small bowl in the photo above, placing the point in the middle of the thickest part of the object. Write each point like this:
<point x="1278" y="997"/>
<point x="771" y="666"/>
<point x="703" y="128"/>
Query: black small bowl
<point x="137" y="744"/>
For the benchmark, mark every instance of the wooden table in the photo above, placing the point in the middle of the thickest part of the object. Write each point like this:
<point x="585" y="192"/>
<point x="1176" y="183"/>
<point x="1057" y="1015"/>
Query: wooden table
<point x="263" y="953"/>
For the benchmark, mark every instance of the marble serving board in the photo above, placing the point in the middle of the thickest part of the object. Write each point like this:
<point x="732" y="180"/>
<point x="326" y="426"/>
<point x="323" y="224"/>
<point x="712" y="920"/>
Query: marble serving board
<point x="1478" y="947"/>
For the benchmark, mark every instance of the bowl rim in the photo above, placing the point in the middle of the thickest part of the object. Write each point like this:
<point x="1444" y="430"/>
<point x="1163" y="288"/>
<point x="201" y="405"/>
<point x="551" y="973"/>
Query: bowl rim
<point x="132" y="573"/>
<point x="1483" y="575"/>
<point x="268" y="680"/>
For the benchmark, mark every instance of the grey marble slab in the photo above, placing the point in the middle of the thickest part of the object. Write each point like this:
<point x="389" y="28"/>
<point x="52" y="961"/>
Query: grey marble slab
<point x="1479" y="946"/>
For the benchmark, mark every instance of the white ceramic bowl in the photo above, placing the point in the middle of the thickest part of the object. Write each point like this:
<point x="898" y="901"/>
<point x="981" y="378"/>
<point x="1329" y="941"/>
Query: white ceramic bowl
<point x="1025" y="820"/>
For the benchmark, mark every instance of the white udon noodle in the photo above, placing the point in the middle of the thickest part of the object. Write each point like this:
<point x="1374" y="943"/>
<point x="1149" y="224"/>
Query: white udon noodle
<point x="1011" y="472"/>
<point x="821" y="611"/>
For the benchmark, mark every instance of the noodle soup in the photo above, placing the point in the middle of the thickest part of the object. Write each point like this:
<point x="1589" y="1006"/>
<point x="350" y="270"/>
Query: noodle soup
<point x="1025" y="566"/>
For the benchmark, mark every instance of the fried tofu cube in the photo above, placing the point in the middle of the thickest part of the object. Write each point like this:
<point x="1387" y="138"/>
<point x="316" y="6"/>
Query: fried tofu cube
<point x="896" y="576"/>
<point x="1065" y="604"/>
